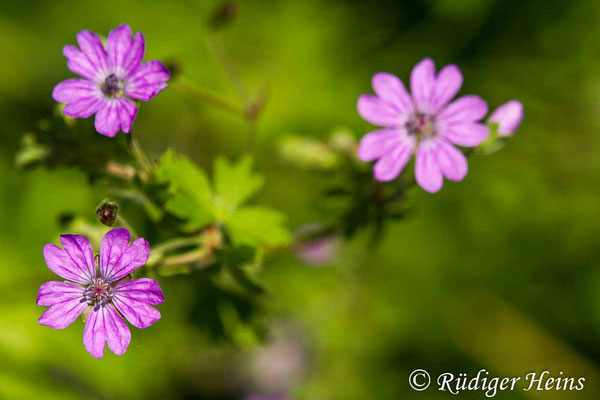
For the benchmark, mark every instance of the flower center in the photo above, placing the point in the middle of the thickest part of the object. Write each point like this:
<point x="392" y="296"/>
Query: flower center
<point x="420" y="125"/>
<point x="111" y="85"/>
<point x="98" y="293"/>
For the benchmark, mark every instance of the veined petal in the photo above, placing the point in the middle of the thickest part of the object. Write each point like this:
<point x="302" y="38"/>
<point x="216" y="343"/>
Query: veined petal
<point x="73" y="262"/>
<point x="378" y="111"/>
<point x="392" y="163"/>
<point x="469" y="108"/>
<point x="427" y="171"/>
<point x="105" y="325"/>
<point x="115" y="114"/>
<point x="75" y="89"/>
<point x="422" y="81"/>
<point x="124" y="54"/>
<point x="133" y="300"/>
<point x="91" y="45"/>
<point x="81" y="252"/>
<point x="451" y="161"/>
<point x="508" y="117"/>
<point x="146" y="81"/>
<point x="391" y="89"/>
<point x="65" y="304"/>
<point x="135" y="55"/>
<point x="116" y="259"/>
<point x="84" y="107"/>
<point x="468" y="134"/>
<point x="447" y="84"/>
<point x="375" y="144"/>
<point x="53" y="292"/>
<point x="78" y="63"/>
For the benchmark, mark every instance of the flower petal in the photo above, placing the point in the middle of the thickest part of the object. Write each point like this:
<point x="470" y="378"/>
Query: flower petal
<point x="84" y="107"/>
<point x="66" y="304"/>
<point x="116" y="259"/>
<point x="422" y="81"/>
<point x="133" y="300"/>
<point x="468" y="134"/>
<point x="75" y="262"/>
<point x="469" y="108"/>
<point x="78" y="63"/>
<point x="378" y="111"/>
<point x="146" y="81"/>
<point x="392" y="163"/>
<point x="115" y="114"/>
<point x="508" y="117"/>
<point x="53" y="292"/>
<point x="447" y="84"/>
<point x="427" y="170"/>
<point x="375" y="144"/>
<point x="105" y="325"/>
<point x="81" y="252"/>
<point x="75" y="89"/>
<point x="124" y="54"/>
<point x="91" y="45"/>
<point x="391" y="89"/>
<point x="452" y="162"/>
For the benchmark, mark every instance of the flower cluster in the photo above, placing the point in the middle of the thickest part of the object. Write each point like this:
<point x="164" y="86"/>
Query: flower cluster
<point x="427" y="123"/>
<point x="102" y="291"/>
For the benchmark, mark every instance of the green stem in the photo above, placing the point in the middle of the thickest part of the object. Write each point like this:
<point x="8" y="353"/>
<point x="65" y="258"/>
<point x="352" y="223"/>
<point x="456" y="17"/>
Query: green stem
<point x="123" y="222"/>
<point x="191" y="257"/>
<point x="177" y="243"/>
<point x="137" y="153"/>
<point x="209" y="97"/>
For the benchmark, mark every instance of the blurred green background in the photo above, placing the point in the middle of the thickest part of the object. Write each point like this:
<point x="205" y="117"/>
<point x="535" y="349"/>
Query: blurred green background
<point x="500" y="271"/>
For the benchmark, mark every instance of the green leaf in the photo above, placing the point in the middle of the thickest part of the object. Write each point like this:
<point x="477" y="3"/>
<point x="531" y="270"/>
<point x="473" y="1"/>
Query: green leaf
<point x="191" y="193"/>
<point x="256" y="224"/>
<point x="234" y="184"/>
<point x="193" y="200"/>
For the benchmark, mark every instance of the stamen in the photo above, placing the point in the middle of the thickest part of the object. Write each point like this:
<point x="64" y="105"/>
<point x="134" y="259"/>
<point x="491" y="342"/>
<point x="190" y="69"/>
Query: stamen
<point x="98" y="293"/>
<point x="420" y="125"/>
<point x="111" y="85"/>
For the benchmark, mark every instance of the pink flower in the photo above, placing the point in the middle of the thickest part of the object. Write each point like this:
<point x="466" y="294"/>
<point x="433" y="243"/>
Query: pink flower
<point x="103" y="291"/>
<point x="508" y="117"/>
<point x="421" y="122"/>
<point x="319" y="250"/>
<point x="112" y="77"/>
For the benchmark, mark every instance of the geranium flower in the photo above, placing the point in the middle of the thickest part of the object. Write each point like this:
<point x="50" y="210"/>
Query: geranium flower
<point x="508" y="117"/>
<point x="423" y="123"/>
<point x="111" y="78"/>
<point x="103" y="291"/>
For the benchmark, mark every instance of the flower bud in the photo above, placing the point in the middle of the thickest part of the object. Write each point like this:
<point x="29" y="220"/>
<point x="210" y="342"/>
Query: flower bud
<point x="508" y="117"/>
<point x="107" y="212"/>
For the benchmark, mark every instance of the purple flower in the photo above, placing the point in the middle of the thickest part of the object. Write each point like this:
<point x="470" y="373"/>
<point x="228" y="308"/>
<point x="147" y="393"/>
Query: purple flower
<point x="423" y="123"/>
<point x="112" y="77"/>
<point x="508" y="117"/>
<point x="103" y="291"/>
<point x="318" y="251"/>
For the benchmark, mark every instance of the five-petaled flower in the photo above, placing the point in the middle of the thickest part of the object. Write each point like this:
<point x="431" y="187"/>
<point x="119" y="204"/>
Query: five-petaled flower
<point x="112" y="77"/>
<point x="421" y="122"/>
<point x="103" y="291"/>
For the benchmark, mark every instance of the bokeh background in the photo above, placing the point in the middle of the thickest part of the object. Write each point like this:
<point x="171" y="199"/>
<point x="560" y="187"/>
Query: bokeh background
<point x="500" y="271"/>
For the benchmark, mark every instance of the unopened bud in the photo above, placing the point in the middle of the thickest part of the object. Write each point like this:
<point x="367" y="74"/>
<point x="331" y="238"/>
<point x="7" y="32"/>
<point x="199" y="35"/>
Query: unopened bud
<point x="107" y="212"/>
